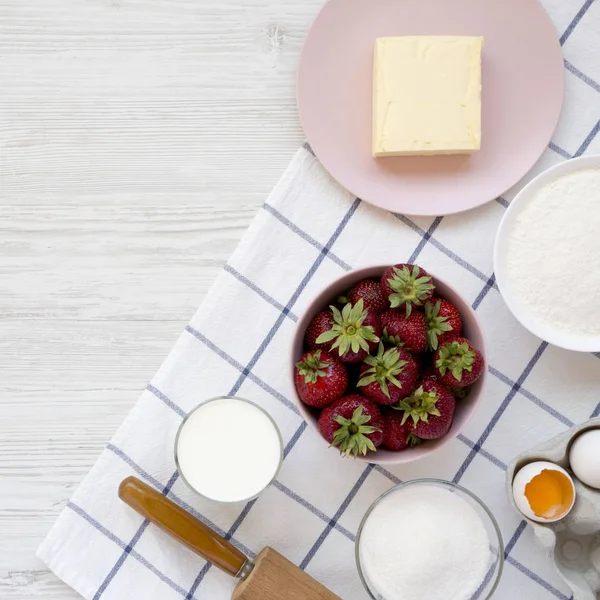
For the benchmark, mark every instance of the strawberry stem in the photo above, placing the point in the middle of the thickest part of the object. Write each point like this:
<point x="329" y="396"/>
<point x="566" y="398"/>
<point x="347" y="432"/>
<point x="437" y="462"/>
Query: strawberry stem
<point x="351" y="438"/>
<point x="409" y="287"/>
<point x="436" y="325"/>
<point x="348" y="332"/>
<point x="383" y="368"/>
<point x="455" y="357"/>
<point x="419" y="406"/>
<point x="312" y="367"/>
<point x="413" y="440"/>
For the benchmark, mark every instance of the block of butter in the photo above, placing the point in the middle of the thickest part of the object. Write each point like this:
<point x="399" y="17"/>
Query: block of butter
<point x="427" y="95"/>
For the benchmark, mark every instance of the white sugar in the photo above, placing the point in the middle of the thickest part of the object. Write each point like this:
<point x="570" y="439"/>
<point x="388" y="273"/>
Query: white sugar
<point x="553" y="253"/>
<point x="424" y="541"/>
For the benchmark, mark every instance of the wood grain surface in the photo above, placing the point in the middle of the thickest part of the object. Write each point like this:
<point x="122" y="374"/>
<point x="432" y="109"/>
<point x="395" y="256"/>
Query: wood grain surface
<point x="137" y="139"/>
<point x="272" y="573"/>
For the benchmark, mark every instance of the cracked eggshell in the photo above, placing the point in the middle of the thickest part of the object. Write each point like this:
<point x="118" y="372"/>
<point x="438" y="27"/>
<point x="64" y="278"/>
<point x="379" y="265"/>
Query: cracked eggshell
<point x="582" y="524"/>
<point x="525" y="476"/>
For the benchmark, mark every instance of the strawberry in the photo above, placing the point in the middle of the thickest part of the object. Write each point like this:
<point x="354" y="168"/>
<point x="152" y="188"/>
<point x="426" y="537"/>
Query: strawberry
<point x="354" y="332"/>
<point x="458" y="363"/>
<point x="370" y="292"/>
<point x="353" y="424"/>
<point x="406" y="286"/>
<point x="397" y="435"/>
<point x="320" y="379"/>
<point x="319" y="324"/>
<point x="390" y="340"/>
<point x="341" y="301"/>
<point x="443" y="322"/>
<point x="429" y="410"/>
<point x="389" y="376"/>
<point x="459" y="393"/>
<point x="428" y="372"/>
<point x="418" y="358"/>
<point x="411" y="331"/>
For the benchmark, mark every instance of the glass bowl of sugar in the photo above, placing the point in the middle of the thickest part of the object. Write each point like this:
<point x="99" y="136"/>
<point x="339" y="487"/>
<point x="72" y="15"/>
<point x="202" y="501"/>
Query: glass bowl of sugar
<point x="429" y="538"/>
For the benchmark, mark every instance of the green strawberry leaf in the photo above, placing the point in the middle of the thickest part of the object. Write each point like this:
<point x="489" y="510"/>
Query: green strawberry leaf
<point x="347" y="331"/>
<point x="312" y="367"/>
<point x="383" y="369"/>
<point x="455" y="357"/>
<point x="351" y="438"/>
<point x="409" y="288"/>
<point x="419" y="406"/>
<point x="413" y="440"/>
<point x="436" y="325"/>
<point x="327" y="336"/>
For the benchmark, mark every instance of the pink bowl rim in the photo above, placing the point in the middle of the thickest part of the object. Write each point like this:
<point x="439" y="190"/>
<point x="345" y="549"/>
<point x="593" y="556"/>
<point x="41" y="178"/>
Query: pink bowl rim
<point x="404" y="456"/>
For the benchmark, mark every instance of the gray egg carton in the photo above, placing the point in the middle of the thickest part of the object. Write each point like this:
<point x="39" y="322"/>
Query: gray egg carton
<point x="573" y="543"/>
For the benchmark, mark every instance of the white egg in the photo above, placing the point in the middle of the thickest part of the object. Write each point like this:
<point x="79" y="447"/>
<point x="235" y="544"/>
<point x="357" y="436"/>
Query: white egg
<point x="584" y="458"/>
<point x="543" y="491"/>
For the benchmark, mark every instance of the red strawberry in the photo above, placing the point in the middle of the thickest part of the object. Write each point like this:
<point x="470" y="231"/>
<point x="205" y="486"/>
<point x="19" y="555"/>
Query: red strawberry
<point x="390" y="340"/>
<point x="459" y="393"/>
<point x="458" y="363"/>
<point x="443" y="322"/>
<point x="389" y="376"/>
<point x="353" y="334"/>
<point x="396" y="434"/>
<point x="429" y="410"/>
<point x="428" y="373"/>
<point x="320" y="379"/>
<point x="406" y="286"/>
<point x="319" y="324"/>
<point x="353" y="424"/>
<point x="370" y="292"/>
<point x="418" y="358"/>
<point x="412" y="331"/>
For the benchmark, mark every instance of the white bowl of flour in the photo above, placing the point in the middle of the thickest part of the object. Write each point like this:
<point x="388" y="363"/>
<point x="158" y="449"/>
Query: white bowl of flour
<point x="547" y="255"/>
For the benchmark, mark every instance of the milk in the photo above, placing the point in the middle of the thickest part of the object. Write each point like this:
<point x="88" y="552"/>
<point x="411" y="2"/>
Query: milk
<point x="228" y="450"/>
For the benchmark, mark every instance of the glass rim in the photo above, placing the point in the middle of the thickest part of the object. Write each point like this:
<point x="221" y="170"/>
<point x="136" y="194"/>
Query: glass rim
<point x="217" y="399"/>
<point x="441" y="483"/>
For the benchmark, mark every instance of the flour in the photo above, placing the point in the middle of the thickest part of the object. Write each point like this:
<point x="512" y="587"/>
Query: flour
<point x="553" y="253"/>
<point x="424" y="541"/>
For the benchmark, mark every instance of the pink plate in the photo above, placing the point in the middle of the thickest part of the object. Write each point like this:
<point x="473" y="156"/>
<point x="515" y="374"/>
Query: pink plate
<point x="523" y="87"/>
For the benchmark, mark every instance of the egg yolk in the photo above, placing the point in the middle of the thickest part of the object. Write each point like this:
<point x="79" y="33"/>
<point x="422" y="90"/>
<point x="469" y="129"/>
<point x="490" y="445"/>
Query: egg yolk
<point x="550" y="494"/>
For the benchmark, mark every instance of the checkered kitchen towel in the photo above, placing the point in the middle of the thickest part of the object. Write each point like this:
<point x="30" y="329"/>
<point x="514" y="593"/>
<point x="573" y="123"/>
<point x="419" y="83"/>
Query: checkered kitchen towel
<point x="309" y="232"/>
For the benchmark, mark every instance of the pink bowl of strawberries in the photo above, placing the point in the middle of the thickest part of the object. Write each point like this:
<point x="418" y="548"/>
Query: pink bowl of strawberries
<point x="388" y="364"/>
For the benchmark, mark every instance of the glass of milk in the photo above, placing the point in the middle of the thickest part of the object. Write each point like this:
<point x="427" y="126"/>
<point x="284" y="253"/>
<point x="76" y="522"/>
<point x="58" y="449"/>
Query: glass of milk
<point x="228" y="449"/>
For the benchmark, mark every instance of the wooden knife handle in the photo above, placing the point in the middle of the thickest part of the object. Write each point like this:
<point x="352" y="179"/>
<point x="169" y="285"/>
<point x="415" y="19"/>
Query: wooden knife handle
<point x="182" y="526"/>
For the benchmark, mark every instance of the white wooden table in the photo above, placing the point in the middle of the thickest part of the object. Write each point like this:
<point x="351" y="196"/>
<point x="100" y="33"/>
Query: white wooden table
<point x="137" y="138"/>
